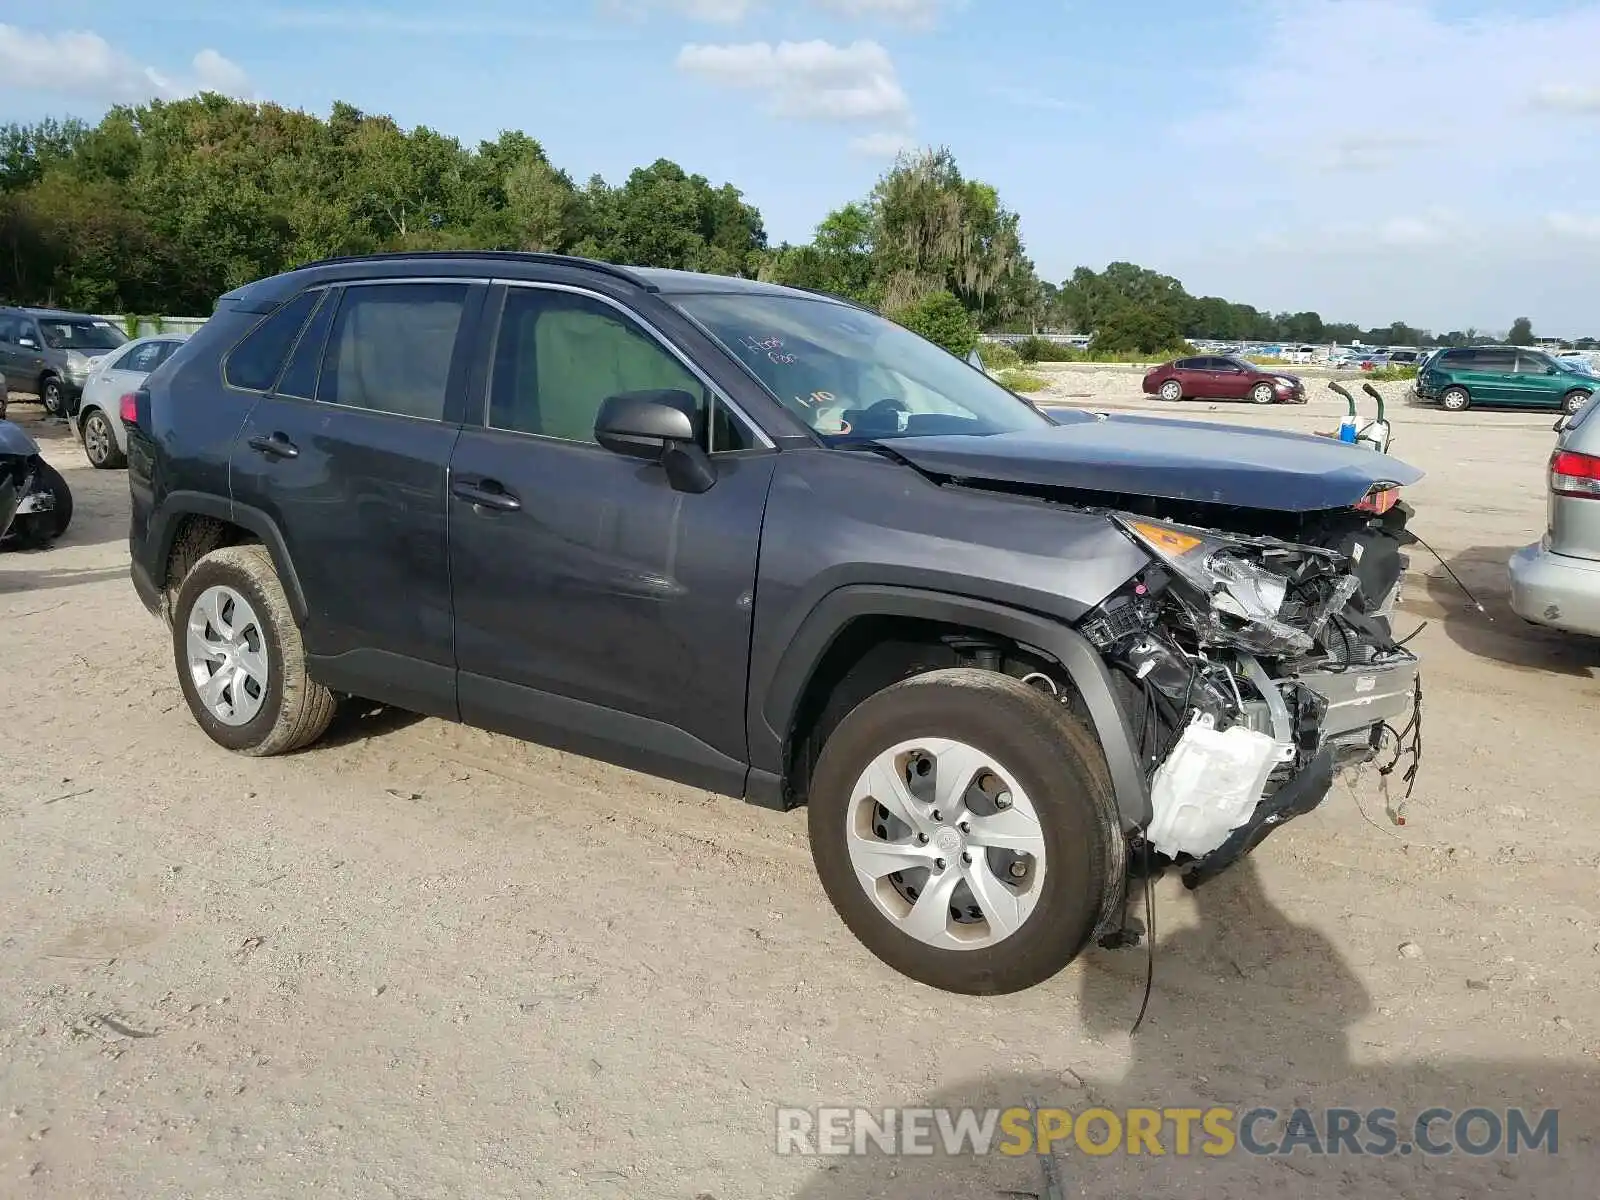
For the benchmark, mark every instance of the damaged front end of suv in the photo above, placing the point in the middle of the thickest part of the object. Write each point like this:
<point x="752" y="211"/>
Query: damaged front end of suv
<point x="1254" y="668"/>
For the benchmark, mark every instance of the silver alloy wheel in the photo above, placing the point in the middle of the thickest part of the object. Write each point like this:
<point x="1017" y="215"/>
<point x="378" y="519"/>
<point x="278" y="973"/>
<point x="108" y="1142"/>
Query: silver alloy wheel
<point x="946" y="843"/>
<point x="1262" y="393"/>
<point x="227" y="655"/>
<point x="97" y="439"/>
<point x="50" y="398"/>
<point x="1172" y="390"/>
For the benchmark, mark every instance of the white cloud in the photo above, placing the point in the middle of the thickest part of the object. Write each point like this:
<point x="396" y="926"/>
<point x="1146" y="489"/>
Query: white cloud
<point x="808" y="80"/>
<point x="84" y="64"/>
<point x="1582" y="226"/>
<point x="1567" y="97"/>
<point x="914" y="14"/>
<point x="713" y="12"/>
<point x="881" y="145"/>
<point x="1341" y="156"/>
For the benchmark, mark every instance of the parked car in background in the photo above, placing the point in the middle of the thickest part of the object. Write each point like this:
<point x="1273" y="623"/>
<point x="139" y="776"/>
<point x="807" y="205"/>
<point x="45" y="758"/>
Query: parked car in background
<point x="50" y="353"/>
<point x="1222" y="377"/>
<point x="97" y="419"/>
<point x="1580" y="360"/>
<point x="1404" y="358"/>
<point x="1516" y="377"/>
<point x="1556" y="581"/>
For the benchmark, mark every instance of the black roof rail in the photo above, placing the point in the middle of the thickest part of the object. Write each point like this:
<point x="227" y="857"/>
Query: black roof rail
<point x="528" y="256"/>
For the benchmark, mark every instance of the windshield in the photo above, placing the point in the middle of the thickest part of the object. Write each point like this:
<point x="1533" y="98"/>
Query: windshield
<point x="81" y="335"/>
<point x="852" y="375"/>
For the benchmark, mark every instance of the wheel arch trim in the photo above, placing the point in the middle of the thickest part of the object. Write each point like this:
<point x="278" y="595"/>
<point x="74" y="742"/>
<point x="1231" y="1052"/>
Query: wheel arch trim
<point x="780" y="702"/>
<point x="180" y="504"/>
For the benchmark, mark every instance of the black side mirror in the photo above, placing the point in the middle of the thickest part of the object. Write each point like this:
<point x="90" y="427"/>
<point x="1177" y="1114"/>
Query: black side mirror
<point x="662" y="425"/>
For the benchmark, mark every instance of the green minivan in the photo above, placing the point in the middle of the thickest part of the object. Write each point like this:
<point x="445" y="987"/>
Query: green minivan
<point x="1514" y="376"/>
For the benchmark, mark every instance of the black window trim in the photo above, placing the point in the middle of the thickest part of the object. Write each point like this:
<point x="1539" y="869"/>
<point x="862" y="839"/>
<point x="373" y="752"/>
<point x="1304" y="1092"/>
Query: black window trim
<point x="460" y="353"/>
<point x="764" y="444"/>
<point x="222" y="366"/>
<point x="330" y="295"/>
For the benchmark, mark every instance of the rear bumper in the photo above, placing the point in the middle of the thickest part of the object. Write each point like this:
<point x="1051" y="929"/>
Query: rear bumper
<point x="1556" y="589"/>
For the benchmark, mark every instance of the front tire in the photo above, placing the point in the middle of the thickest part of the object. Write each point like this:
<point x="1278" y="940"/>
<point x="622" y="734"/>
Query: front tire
<point x="1172" y="390"/>
<point x="1262" y="393"/>
<point x="963" y="827"/>
<point x="240" y="659"/>
<point x="1455" y="399"/>
<point x="53" y="396"/>
<point x="100" y="441"/>
<point x="1574" y="400"/>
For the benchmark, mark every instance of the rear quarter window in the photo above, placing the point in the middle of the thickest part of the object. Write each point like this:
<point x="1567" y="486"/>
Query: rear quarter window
<point x="253" y="364"/>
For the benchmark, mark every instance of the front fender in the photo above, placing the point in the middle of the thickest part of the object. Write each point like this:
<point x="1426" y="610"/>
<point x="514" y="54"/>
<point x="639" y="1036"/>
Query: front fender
<point x="772" y="711"/>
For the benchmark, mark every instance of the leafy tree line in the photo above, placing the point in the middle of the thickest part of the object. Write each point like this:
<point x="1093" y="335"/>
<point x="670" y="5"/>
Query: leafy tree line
<point x="160" y="208"/>
<point x="1129" y="308"/>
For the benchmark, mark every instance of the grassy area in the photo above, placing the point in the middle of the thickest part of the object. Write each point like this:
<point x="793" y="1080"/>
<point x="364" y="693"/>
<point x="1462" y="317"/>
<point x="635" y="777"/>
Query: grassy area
<point x="1390" y="374"/>
<point x="1270" y="360"/>
<point x="1023" y="381"/>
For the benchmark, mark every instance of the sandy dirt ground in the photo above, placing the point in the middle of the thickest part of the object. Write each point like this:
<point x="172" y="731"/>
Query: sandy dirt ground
<point x="421" y="961"/>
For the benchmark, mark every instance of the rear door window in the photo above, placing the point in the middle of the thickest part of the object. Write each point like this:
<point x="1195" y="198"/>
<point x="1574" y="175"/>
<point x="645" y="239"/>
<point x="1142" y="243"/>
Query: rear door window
<point x="1501" y="362"/>
<point x="254" y="363"/>
<point x="391" y="348"/>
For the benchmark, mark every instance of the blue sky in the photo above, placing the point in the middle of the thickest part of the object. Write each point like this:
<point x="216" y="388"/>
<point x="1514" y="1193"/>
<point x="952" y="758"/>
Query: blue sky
<point x="1426" y="160"/>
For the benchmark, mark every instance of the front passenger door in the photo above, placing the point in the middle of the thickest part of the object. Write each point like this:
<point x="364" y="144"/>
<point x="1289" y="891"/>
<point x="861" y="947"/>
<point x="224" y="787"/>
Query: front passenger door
<point x="596" y="608"/>
<point x="1537" y="381"/>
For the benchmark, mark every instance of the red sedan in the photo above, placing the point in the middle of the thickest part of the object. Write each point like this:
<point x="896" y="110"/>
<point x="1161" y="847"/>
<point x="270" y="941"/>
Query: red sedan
<point x="1222" y="377"/>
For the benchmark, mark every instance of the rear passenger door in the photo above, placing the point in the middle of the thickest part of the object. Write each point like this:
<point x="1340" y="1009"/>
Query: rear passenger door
<point x="1492" y="378"/>
<point x="346" y="453"/>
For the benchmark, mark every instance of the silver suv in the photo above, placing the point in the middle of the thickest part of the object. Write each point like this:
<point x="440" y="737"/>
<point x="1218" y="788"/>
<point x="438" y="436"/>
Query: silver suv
<point x="1556" y="581"/>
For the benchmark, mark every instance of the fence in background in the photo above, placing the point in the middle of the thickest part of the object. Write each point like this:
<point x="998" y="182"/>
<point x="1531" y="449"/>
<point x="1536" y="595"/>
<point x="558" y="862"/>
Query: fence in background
<point x="145" y="326"/>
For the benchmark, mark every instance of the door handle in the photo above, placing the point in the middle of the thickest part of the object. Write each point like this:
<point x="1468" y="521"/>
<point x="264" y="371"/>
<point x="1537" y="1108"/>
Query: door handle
<point x="276" y="446"/>
<point x="487" y="493"/>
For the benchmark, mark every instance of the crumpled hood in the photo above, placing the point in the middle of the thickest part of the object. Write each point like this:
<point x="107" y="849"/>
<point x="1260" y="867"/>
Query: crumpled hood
<point x="1168" y="459"/>
<point x="14" y="440"/>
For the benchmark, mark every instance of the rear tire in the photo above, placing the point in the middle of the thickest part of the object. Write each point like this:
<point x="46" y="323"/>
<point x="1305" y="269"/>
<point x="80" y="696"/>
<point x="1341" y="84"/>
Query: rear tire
<point x="100" y="441"/>
<point x="1455" y="399"/>
<point x="1574" y="400"/>
<point x="1171" y="390"/>
<point x="233" y="634"/>
<point x="1003" y="735"/>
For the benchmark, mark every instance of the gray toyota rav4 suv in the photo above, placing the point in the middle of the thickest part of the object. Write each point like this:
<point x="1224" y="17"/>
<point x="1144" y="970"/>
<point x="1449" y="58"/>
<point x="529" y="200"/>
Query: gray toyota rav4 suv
<point x="768" y="543"/>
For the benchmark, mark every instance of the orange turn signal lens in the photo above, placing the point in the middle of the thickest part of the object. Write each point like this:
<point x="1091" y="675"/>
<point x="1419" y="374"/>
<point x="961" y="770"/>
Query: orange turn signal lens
<point x="1379" y="500"/>
<point x="1164" y="539"/>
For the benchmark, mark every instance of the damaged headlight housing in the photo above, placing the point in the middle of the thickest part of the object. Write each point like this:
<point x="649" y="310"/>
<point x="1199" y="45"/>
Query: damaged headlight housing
<point x="1243" y="597"/>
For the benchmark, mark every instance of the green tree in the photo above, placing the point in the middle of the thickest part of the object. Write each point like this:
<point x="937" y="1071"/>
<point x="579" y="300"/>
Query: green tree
<point x="942" y="319"/>
<point x="1521" y="332"/>
<point x="1135" y="329"/>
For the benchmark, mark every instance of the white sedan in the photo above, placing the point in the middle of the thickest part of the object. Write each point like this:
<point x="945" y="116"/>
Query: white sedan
<point x="98" y="421"/>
